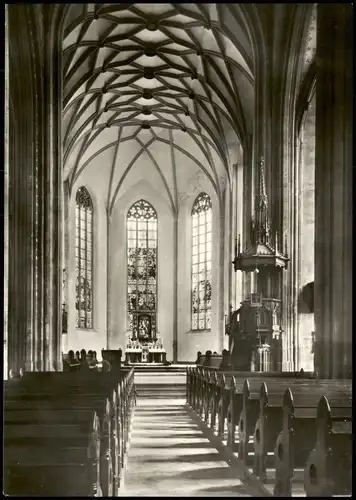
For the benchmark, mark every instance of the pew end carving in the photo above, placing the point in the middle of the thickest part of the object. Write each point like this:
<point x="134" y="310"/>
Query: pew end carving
<point x="328" y="470"/>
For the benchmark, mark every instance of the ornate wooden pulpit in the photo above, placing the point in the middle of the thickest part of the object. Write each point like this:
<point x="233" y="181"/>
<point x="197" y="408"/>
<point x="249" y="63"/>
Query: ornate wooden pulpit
<point x="256" y="327"/>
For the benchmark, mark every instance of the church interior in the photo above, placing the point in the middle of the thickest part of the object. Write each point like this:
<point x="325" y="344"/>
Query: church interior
<point x="178" y="232"/>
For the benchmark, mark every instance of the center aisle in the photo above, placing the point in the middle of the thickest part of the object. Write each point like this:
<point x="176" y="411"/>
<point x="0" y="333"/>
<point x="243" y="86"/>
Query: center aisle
<point x="169" y="455"/>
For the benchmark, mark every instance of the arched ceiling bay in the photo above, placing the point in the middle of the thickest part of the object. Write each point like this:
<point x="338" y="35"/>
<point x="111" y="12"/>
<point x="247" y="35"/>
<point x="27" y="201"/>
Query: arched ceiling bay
<point x="141" y="75"/>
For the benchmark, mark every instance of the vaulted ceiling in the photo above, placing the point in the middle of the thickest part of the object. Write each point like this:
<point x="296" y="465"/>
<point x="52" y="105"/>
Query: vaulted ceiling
<point x="140" y="74"/>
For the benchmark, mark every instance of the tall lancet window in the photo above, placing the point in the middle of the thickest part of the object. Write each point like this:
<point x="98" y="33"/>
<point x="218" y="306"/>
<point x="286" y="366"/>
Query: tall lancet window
<point x="201" y="263"/>
<point x="142" y="271"/>
<point x="84" y="259"/>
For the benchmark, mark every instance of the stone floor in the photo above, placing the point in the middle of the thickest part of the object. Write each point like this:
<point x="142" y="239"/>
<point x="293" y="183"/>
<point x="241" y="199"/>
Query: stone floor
<point x="169" y="455"/>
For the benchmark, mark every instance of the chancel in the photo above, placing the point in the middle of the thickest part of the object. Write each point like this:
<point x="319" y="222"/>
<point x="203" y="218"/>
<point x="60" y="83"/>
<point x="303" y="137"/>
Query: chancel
<point x="178" y="249"/>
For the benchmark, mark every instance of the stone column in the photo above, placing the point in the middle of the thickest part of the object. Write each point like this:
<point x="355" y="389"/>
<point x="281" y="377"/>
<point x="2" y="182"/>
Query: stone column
<point x="288" y="50"/>
<point x="66" y="264"/>
<point x="6" y="197"/>
<point x="175" y="288"/>
<point x="333" y="196"/>
<point x="222" y="284"/>
<point x="35" y="194"/>
<point x="20" y="199"/>
<point x="247" y="207"/>
<point x="108" y="264"/>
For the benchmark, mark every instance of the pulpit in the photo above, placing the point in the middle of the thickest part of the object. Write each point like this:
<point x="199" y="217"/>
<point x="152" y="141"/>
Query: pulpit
<point x="255" y="329"/>
<point x="255" y="338"/>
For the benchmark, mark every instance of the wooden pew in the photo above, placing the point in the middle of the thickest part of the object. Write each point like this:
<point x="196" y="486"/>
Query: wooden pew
<point x="258" y="410"/>
<point x="269" y="422"/>
<point x="114" y="357"/>
<point x="268" y="426"/>
<point x="297" y="438"/>
<point x="199" y="391"/>
<point x="93" y="380"/>
<point x="224" y="401"/>
<point x="214" y="362"/>
<point x="201" y="360"/>
<point x="122" y="381"/>
<point x="223" y="385"/>
<point x="233" y="411"/>
<point x="231" y="405"/>
<point x="60" y="407"/>
<point x="261" y="417"/>
<point x="82" y="393"/>
<point x="209" y="360"/>
<point x="208" y="401"/>
<point x="192" y="389"/>
<point x="128" y="398"/>
<point x="188" y="384"/>
<point x="58" y="471"/>
<point x="214" y="404"/>
<point x="244" y="409"/>
<point x="328" y="470"/>
<point x="15" y="418"/>
<point x="215" y="397"/>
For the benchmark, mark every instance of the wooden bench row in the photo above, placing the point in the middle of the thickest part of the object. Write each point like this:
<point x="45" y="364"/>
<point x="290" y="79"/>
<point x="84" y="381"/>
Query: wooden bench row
<point x="67" y="433"/>
<point x="291" y="433"/>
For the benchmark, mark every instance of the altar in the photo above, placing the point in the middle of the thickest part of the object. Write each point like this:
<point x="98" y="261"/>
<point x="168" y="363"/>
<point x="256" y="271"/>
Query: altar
<point x="138" y="352"/>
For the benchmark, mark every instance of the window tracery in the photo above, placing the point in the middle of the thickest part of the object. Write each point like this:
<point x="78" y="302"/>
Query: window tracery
<point x="201" y="262"/>
<point x="83" y="258"/>
<point x="142" y="270"/>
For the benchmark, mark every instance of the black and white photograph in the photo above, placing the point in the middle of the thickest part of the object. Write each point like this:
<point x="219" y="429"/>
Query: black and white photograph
<point x="178" y="254"/>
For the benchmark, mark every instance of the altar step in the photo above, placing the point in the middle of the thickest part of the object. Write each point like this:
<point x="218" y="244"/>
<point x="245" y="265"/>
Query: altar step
<point x="163" y="391"/>
<point x="154" y="367"/>
<point x="160" y="384"/>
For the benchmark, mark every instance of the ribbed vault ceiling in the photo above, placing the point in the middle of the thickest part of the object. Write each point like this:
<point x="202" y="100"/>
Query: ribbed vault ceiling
<point x="139" y="75"/>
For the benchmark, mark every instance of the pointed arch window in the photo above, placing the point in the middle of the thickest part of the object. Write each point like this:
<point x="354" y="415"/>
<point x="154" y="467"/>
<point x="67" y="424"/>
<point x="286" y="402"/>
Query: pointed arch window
<point x="84" y="259"/>
<point x="142" y="271"/>
<point x="201" y="262"/>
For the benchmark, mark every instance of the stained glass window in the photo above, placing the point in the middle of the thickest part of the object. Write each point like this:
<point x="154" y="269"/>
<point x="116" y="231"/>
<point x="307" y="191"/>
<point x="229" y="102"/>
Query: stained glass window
<point x="201" y="262"/>
<point x="84" y="259"/>
<point x="142" y="270"/>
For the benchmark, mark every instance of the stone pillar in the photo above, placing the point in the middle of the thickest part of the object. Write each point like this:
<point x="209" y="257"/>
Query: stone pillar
<point x="333" y="196"/>
<point x="247" y="207"/>
<point x="229" y="242"/>
<point x="175" y="288"/>
<point x="65" y="266"/>
<point x="6" y="197"/>
<point x="286" y="162"/>
<point x="305" y="239"/>
<point x="52" y="47"/>
<point x="220" y="304"/>
<point x="35" y="192"/>
<point x="20" y="200"/>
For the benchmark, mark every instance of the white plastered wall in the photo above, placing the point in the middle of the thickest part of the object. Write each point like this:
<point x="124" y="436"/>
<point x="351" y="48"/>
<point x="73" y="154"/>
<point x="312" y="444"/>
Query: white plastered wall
<point x="190" y="342"/>
<point x="94" y="338"/>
